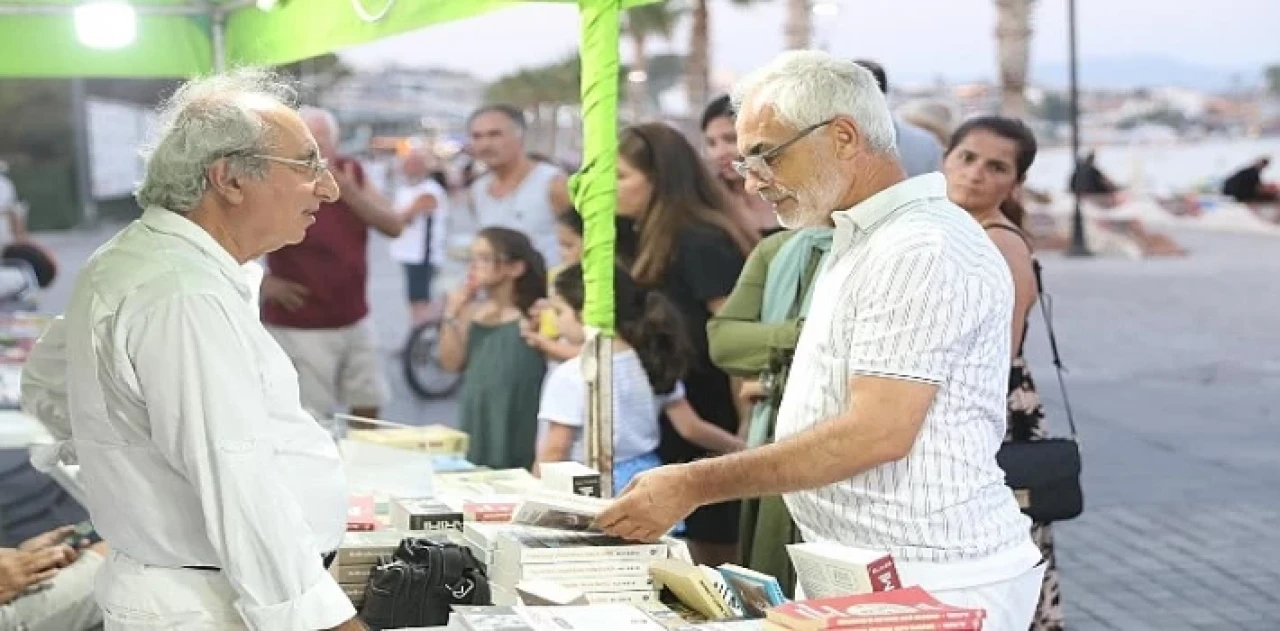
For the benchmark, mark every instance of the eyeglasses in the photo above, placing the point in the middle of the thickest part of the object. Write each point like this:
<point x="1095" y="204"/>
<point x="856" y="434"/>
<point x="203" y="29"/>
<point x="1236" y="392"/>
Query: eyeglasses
<point x="315" y="165"/>
<point x="759" y="164"/>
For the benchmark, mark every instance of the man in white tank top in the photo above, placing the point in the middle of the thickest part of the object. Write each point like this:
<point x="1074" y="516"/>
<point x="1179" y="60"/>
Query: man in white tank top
<point x="518" y="192"/>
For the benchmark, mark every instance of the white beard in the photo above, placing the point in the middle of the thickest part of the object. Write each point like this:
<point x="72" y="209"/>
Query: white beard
<point x="813" y="205"/>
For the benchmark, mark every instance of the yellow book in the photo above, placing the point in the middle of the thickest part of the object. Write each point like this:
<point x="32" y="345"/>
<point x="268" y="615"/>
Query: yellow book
<point x="692" y="586"/>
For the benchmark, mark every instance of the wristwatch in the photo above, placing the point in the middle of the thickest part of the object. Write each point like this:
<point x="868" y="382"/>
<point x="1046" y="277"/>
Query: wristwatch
<point x="768" y="383"/>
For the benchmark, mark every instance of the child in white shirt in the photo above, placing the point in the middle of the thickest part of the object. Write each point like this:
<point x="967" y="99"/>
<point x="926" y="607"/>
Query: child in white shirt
<point x="650" y="354"/>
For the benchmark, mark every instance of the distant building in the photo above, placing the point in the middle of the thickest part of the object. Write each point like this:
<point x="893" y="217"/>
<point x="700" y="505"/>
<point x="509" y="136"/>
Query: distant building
<point x="397" y="101"/>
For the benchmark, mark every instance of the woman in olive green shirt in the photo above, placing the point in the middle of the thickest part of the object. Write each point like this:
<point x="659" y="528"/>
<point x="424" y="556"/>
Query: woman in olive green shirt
<point x="753" y="337"/>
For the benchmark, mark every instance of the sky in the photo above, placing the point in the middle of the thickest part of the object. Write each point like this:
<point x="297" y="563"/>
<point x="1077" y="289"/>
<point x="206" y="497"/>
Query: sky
<point x="916" y="39"/>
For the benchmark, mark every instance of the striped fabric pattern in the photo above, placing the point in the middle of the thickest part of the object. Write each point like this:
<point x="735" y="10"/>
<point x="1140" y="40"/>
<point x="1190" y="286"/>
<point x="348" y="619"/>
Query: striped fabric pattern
<point x="913" y="290"/>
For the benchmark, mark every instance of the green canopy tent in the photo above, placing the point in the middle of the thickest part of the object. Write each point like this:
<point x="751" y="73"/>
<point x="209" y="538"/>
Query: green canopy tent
<point x="185" y="38"/>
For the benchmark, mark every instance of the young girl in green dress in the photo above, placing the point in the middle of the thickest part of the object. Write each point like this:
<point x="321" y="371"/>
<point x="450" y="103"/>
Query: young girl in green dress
<point x="480" y="337"/>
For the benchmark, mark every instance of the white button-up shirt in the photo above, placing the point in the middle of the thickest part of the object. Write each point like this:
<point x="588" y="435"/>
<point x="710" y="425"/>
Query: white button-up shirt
<point x="185" y="416"/>
<point x="913" y="289"/>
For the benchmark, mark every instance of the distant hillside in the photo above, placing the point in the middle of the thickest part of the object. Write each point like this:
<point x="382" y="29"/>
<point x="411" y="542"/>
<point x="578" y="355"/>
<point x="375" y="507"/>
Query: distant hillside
<point x="1124" y="72"/>
<point x="1145" y="71"/>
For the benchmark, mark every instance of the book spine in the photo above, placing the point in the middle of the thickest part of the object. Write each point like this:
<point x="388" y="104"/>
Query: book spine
<point x="570" y="571"/>
<point x="613" y="584"/>
<point x="587" y="553"/>
<point x="641" y="597"/>
<point x="361" y="556"/>
<point x="940" y="620"/>
<point x="435" y="522"/>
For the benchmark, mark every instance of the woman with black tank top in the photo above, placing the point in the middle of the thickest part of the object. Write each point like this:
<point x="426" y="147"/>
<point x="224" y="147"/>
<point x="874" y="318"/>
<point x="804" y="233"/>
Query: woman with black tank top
<point x="691" y="250"/>
<point x="985" y="165"/>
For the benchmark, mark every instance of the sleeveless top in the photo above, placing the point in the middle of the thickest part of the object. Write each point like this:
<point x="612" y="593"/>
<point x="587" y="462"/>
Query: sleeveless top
<point x="526" y="209"/>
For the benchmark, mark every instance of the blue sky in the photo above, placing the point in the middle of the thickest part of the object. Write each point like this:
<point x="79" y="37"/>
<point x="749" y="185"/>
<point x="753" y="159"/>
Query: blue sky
<point x="914" y="38"/>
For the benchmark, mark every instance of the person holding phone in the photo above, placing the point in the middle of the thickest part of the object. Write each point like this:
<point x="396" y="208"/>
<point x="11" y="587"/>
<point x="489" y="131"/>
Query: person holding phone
<point x="46" y="583"/>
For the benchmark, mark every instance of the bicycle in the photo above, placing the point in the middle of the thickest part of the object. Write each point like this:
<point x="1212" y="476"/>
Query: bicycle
<point x="421" y="364"/>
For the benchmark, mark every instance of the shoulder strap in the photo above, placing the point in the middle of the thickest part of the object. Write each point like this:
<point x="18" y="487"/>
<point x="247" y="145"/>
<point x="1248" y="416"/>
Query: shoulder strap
<point x="1018" y="231"/>
<point x="1046" y="310"/>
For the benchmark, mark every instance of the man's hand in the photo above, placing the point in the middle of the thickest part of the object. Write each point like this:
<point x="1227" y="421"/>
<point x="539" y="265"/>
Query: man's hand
<point x="47" y="540"/>
<point x="752" y="391"/>
<point x="289" y="294"/>
<point x="348" y="183"/>
<point x="22" y="569"/>
<point x="652" y="504"/>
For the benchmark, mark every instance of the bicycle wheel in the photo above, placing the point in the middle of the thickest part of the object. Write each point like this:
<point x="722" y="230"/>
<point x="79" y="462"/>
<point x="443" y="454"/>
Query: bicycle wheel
<point x="422" y="369"/>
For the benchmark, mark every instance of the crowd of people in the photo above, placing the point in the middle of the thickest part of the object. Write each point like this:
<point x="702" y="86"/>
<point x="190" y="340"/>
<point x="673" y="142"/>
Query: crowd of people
<point x="820" y="322"/>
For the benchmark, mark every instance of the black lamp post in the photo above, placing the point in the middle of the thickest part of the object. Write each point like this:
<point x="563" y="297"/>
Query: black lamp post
<point x="1077" y="247"/>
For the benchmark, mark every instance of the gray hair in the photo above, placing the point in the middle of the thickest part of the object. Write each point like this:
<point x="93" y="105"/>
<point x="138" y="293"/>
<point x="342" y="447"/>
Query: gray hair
<point x="207" y="119"/>
<point x="807" y="87"/>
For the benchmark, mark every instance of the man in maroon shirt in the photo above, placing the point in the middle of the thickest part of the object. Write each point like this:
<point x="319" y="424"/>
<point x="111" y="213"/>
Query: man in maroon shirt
<point x="314" y="295"/>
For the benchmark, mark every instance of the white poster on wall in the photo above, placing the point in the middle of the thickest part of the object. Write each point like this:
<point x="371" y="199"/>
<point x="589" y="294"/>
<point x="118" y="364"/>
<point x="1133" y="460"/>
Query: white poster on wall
<point x="116" y="133"/>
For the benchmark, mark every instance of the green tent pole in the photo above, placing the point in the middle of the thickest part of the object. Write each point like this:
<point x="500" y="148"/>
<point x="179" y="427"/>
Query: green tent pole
<point x="595" y="193"/>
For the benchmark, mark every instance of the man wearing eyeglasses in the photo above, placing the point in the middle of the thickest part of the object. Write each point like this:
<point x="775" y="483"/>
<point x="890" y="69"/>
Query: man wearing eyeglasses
<point x="895" y="404"/>
<point x="219" y="496"/>
<point x="315" y="293"/>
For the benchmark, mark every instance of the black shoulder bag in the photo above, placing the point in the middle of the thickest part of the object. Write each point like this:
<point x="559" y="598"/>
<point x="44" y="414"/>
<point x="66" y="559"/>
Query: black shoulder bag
<point x="1045" y="474"/>
<point x="419" y="585"/>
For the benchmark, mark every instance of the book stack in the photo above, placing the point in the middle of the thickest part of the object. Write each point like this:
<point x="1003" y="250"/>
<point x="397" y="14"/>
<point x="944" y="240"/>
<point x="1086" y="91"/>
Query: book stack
<point x="424" y="514"/>
<point x="907" y="608"/>
<point x="598" y="568"/>
<point x="446" y="447"/>
<point x="356" y="557"/>
<point x="829" y="569"/>
<point x="361" y="515"/>
<point x="581" y="618"/>
<point x="490" y="509"/>
<point x="482" y="483"/>
<point x="613" y="617"/>
<point x="570" y="477"/>
<point x="432" y="439"/>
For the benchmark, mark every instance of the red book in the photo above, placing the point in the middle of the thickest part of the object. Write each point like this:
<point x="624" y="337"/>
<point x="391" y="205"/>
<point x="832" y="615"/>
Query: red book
<point x="488" y="511"/>
<point x="360" y="513"/>
<point x="906" y="608"/>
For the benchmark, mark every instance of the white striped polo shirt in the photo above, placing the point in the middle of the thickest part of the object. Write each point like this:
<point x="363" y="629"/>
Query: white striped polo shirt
<point x="913" y="289"/>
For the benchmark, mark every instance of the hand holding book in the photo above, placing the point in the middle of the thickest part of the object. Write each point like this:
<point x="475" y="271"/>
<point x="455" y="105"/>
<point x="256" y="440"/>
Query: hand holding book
<point x="651" y="505"/>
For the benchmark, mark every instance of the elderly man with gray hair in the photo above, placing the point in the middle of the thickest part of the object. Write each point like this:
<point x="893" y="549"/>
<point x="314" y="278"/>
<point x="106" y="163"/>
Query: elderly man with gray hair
<point x="895" y="405"/>
<point x="221" y="498"/>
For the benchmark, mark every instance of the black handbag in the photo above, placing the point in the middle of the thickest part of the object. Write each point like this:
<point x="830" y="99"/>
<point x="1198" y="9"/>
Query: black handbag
<point x="1045" y="474"/>
<point x="420" y="583"/>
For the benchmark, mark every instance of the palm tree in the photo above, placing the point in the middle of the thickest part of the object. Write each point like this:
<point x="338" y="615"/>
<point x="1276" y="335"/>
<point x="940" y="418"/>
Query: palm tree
<point x="643" y="22"/>
<point x="1013" y="45"/>
<point x="698" y="74"/>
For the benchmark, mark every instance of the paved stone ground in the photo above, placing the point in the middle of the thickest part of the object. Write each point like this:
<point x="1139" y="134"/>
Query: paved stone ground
<point x="1174" y="377"/>
<point x="1174" y="371"/>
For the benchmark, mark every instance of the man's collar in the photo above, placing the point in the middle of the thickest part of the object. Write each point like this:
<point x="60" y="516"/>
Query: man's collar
<point x="876" y="208"/>
<point x="172" y="223"/>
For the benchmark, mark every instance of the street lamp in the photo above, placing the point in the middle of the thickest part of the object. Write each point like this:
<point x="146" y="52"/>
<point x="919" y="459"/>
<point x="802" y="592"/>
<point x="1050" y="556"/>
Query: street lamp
<point x="105" y="24"/>
<point x="1077" y="246"/>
